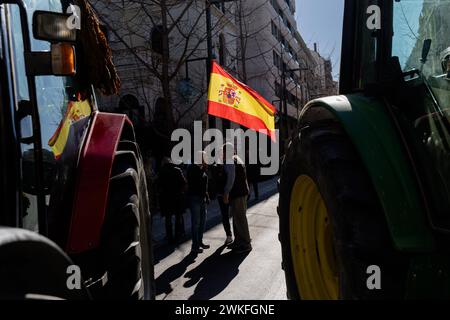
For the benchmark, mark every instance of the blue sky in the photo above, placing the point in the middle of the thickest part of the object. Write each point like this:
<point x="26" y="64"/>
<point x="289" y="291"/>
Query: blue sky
<point x="321" y="21"/>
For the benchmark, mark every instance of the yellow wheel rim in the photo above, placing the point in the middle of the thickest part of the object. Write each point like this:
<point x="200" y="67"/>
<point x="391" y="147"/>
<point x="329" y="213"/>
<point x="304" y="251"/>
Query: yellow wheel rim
<point x="312" y="249"/>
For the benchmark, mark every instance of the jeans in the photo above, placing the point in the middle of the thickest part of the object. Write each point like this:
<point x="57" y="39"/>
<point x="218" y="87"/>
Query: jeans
<point x="198" y="209"/>
<point x="225" y="211"/>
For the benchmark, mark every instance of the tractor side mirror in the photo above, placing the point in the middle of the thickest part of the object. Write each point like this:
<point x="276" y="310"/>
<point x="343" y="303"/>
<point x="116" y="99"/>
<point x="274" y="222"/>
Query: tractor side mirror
<point x="60" y="61"/>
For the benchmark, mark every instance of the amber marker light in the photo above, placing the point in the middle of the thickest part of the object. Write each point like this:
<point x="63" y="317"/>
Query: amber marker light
<point x="63" y="59"/>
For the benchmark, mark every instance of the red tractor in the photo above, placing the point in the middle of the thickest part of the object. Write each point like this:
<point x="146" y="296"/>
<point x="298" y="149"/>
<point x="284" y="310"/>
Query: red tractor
<point x="73" y="196"/>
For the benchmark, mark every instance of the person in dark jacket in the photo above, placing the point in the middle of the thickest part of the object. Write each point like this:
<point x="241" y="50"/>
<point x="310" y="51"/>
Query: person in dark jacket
<point x="236" y="194"/>
<point x="253" y="179"/>
<point x="252" y="175"/>
<point x="171" y="186"/>
<point x="198" y="200"/>
<point x="221" y="174"/>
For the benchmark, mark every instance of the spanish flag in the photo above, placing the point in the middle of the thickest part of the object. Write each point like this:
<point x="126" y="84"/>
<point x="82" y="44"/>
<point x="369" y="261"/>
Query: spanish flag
<point x="230" y="99"/>
<point x="76" y="110"/>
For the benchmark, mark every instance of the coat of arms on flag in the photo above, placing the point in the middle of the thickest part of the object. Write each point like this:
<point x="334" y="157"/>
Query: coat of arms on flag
<point x="230" y="94"/>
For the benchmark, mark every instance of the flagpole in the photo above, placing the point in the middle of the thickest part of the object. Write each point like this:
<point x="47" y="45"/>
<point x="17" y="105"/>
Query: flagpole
<point x="211" y="120"/>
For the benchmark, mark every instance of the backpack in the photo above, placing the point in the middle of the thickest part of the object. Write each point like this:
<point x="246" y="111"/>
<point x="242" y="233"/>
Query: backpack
<point x="218" y="180"/>
<point x="240" y="186"/>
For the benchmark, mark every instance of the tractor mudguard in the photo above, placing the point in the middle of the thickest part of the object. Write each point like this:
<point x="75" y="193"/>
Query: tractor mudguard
<point x="374" y="135"/>
<point x="92" y="181"/>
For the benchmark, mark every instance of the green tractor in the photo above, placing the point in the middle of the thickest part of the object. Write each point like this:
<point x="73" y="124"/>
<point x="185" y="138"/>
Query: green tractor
<point x="365" y="184"/>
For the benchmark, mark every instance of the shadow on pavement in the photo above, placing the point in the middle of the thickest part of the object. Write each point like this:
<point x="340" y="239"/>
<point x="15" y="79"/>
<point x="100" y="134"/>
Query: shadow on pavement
<point x="214" y="274"/>
<point x="163" y="250"/>
<point x="217" y="271"/>
<point x="173" y="273"/>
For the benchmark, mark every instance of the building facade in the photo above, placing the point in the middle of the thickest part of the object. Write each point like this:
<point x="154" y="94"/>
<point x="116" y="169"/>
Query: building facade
<point x="324" y="85"/>
<point x="278" y="63"/>
<point x="257" y="41"/>
<point x="135" y="34"/>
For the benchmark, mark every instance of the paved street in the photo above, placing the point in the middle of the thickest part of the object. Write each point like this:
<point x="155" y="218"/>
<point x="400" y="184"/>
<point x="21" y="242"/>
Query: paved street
<point x="219" y="273"/>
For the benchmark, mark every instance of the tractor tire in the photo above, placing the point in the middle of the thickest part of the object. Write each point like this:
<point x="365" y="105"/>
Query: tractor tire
<point x="126" y="242"/>
<point x="332" y="226"/>
<point x="33" y="267"/>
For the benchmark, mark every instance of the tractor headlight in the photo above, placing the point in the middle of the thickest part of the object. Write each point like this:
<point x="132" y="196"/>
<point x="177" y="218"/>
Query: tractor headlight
<point x="53" y="27"/>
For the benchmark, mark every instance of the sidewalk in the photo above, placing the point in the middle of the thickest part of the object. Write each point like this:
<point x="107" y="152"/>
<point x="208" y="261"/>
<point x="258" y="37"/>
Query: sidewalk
<point x="266" y="189"/>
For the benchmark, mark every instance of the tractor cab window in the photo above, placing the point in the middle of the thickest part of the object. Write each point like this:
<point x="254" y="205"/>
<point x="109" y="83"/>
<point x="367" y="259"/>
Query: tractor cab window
<point x="419" y="24"/>
<point x="62" y="107"/>
<point x="421" y="41"/>
<point x="21" y="95"/>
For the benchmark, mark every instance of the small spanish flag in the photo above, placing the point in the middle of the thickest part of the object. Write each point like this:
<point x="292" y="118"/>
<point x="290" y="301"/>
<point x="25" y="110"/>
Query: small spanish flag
<point x="231" y="99"/>
<point x="76" y="110"/>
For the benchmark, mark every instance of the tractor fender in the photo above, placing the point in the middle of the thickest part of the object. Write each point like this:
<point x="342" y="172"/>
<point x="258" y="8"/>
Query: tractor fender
<point x="33" y="267"/>
<point x="92" y="179"/>
<point x="373" y="133"/>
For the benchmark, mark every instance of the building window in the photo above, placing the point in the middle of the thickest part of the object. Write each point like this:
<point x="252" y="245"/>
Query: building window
<point x="291" y="75"/>
<point x="156" y="39"/>
<point x="290" y="6"/>
<point x="291" y="51"/>
<point x="275" y="5"/>
<point x="275" y="31"/>
<point x="283" y="17"/>
<point x="276" y="59"/>
<point x="289" y="26"/>
<point x="277" y="89"/>
<point x="283" y="42"/>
